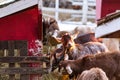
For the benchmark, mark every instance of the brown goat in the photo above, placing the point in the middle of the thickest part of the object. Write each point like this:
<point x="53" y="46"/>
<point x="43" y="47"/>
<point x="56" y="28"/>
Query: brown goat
<point x="93" y="74"/>
<point x="73" y="51"/>
<point x="50" y="26"/>
<point x="108" y="61"/>
<point x="76" y="51"/>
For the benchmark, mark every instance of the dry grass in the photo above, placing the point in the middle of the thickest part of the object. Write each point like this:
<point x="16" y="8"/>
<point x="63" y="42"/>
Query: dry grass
<point x="55" y="76"/>
<point x="65" y="16"/>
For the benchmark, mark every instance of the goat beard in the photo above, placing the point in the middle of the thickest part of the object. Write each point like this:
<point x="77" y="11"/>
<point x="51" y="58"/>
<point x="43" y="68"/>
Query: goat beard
<point x="69" y="70"/>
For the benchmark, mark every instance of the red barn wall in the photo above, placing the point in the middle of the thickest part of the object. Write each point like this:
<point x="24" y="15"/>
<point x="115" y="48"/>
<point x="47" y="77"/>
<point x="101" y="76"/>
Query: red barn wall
<point x="105" y="7"/>
<point x="23" y="25"/>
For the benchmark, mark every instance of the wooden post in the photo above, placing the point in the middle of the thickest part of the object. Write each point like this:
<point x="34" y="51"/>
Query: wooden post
<point x="56" y="10"/>
<point x="85" y="10"/>
<point x="23" y="52"/>
<point x="11" y="48"/>
<point x="24" y="70"/>
<point x="98" y="9"/>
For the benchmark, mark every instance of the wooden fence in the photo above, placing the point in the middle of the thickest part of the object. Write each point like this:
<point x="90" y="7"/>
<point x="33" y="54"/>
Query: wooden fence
<point x="87" y="12"/>
<point x="14" y="55"/>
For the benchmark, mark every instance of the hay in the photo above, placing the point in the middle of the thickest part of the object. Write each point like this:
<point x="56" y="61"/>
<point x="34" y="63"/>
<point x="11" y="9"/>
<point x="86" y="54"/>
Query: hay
<point x="55" y="76"/>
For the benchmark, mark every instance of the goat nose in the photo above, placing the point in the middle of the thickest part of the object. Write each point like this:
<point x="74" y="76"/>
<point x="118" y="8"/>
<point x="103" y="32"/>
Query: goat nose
<point x="69" y="45"/>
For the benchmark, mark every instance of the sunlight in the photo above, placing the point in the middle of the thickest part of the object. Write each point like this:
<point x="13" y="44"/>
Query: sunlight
<point x="5" y="1"/>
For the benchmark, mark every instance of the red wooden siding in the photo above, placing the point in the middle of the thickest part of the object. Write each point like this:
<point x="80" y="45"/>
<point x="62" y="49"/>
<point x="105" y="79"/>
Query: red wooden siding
<point x="23" y="25"/>
<point x="105" y="7"/>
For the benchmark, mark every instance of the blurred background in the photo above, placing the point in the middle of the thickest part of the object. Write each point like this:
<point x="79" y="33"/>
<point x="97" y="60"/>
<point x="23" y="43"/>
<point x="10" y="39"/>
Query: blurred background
<point x="71" y="12"/>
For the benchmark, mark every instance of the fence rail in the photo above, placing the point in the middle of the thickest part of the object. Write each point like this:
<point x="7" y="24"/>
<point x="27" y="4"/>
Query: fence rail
<point x="23" y="70"/>
<point x="15" y="52"/>
<point x="87" y="11"/>
<point x="23" y="59"/>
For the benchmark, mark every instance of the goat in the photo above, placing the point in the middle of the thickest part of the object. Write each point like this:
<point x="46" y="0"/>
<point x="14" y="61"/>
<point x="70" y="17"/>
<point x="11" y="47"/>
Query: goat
<point x="93" y="74"/>
<point x="50" y="28"/>
<point x="75" y="51"/>
<point x="109" y="62"/>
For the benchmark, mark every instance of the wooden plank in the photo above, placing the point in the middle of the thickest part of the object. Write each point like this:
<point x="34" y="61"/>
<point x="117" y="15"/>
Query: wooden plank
<point x="11" y="53"/>
<point x="23" y="47"/>
<point x="16" y="7"/>
<point x="3" y="45"/>
<point x="112" y="35"/>
<point x="24" y="70"/>
<point x="23" y="59"/>
<point x="21" y="44"/>
<point x="17" y="44"/>
<point x="11" y="48"/>
<point x="108" y="28"/>
<point x="108" y="18"/>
